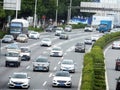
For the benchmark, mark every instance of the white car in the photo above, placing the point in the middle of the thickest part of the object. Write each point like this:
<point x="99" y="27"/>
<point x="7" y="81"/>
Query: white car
<point x="62" y="78"/>
<point x="12" y="47"/>
<point x="41" y="63"/>
<point x="46" y="42"/>
<point x="34" y="35"/>
<point x="88" y="41"/>
<point x="95" y="37"/>
<point x="56" y="51"/>
<point x="25" y="53"/>
<point x="68" y="28"/>
<point x="19" y="79"/>
<point x="116" y="45"/>
<point x="58" y="32"/>
<point x="67" y="65"/>
<point x="88" y="28"/>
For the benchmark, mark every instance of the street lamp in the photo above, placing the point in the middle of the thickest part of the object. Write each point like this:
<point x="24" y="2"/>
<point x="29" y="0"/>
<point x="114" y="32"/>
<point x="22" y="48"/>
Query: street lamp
<point x="69" y="11"/>
<point x="56" y="13"/>
<point x="35" y="13"/>
<point x="0" y="49"/>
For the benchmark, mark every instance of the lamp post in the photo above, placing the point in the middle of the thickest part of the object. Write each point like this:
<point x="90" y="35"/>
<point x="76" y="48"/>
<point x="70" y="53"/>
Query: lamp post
<point x="35" y="13"/>
<point x="0" y="49"/>
<point x="56" y="13"/>
<point x="69" y="11"/>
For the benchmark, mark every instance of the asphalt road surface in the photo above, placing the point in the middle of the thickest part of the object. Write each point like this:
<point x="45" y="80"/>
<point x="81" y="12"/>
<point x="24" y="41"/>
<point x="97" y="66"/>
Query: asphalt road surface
<point x="43" y="80"/>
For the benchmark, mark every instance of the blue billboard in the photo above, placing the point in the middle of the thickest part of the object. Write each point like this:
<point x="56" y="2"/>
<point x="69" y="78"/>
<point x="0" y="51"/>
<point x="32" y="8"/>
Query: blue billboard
<point x="95" y="0"/>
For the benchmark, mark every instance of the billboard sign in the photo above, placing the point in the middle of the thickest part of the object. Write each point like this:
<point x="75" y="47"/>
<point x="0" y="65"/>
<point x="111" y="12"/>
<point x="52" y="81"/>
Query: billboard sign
<point x="12" y="4"/>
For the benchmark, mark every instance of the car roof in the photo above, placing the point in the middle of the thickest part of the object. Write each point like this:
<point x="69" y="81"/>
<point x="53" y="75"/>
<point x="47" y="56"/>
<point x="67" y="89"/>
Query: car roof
<point x="62" y="72"/>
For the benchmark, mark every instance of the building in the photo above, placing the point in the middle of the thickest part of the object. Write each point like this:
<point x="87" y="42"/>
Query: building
<point x="103" y="8"/>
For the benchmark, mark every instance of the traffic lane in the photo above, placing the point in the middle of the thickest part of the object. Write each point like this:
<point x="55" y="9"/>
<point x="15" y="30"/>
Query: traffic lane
<point x="112" y="74"/>
<point x="23" y="68"/>
<point x="44" y="80"/>
<point x="75" y="33"/>
<point x="55" y="61"/>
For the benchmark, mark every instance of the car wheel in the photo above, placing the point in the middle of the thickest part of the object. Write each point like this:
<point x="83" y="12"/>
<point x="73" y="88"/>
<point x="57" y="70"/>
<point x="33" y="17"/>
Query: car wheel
<point x="116" y="68"/>
<point x="6" y="65"/>
<point x="48" y="69"/>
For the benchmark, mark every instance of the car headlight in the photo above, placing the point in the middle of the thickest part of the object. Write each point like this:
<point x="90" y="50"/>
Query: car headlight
<point x="69" y="81"/>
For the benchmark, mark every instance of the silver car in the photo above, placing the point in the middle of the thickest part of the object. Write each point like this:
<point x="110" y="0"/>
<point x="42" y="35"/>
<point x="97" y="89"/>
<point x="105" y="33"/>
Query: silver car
<point x="67" y="65"/>
<point x="8" y="39"/>
<point x="41" y="64"/>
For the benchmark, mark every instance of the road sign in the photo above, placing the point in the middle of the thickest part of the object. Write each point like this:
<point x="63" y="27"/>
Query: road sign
<point x="12" y="4"/>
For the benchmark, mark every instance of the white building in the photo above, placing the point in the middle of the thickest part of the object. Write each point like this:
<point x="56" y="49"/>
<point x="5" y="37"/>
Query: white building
<point x="103" y="8"/>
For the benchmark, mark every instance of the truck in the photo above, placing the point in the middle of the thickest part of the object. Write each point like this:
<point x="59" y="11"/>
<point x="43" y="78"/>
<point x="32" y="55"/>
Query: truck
<point x="18" y="26"/>
<point x="105" y="26"/>
<point x="12" y="58"/>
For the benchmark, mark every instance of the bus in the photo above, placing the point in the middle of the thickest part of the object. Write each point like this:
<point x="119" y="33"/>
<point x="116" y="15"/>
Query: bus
<point x="18" y="26"/>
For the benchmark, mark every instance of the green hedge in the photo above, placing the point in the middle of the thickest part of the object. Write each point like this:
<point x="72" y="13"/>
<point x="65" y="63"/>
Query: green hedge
<point x="93" y="73"/>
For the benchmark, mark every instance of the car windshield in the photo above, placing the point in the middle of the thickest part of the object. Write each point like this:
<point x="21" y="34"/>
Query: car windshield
<point x="62" y="74"/>
<point x="34" y="33"/>
<point x="7" y="36"/>
<point x="56" y="49"/>
<point x="12" y="46"/>
<point x="70" y="62"/>
<point x="45" y="39"/>
<point x="12" y="54"/>
<point x="21" y="35"/>
<point x="41" y="60"/>
<point x="79" y="44"/>
<point x="24" y="50"/>
<point x="20" y="76"/>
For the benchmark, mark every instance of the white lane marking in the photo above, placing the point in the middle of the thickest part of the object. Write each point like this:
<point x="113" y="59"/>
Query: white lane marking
<point x="70" y="49"/>
<point x="27" y="67"/>
<point x="55" y="68"/>
<point x="50" y="75"/>
<point x="59" y="63"/>
<point x="44" y="83"/>
<point x="107" y="86"/>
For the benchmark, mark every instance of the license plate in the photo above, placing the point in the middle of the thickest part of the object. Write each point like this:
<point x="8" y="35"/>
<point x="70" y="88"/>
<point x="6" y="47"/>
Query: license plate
<point x="18" y="85"/>
<point x="11" y="64"/>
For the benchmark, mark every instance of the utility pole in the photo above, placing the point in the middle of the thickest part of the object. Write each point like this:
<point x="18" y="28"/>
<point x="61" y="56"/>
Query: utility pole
<point x="56" y="12"/>
<point x="70" y="9"/>
<point x="35" y="13"/>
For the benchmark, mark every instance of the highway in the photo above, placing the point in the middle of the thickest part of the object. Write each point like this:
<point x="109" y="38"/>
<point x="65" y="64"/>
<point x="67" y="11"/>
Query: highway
<point x="110" y="60"/>
<point x="43" y="80"/>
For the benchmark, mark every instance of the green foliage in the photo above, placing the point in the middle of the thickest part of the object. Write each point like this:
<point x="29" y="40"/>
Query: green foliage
<point x="94" y="65"/>
<point x="80" y="25"/>
<point x="36" y="29"/>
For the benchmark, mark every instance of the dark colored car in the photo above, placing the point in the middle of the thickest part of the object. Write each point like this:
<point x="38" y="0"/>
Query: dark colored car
<point x="80" y="47"/>
<point x="50" y="28"/>
<point x="118" y="84"/>
<point x="117" y="66"/>
<point x="8" y="39"/>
